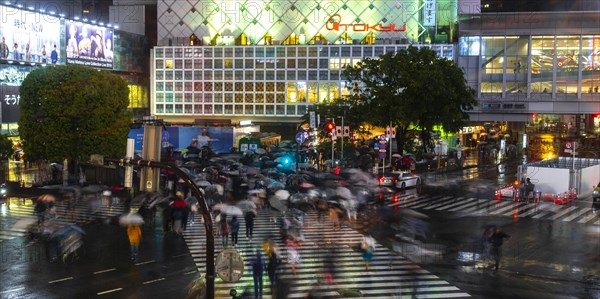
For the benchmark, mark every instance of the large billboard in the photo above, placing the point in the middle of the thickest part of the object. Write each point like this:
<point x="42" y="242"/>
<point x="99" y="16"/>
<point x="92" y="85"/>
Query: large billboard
<point x="221" y="138"/>
<point x="89" y="45"/>
<point x="29" y="36"/>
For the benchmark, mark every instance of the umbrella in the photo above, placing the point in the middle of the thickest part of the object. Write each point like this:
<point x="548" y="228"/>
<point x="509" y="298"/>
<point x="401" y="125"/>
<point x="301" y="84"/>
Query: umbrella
<point x="232" y="211"/>
<point x="260" y="151"/>
<point x="343" y="192"/>
<point x="47" y="197"/>
<point x="246" y="205"/>
<point x="254" y="191"/>
<point x="396" y="156"/>
<point x="411" y="213"/>
<point x="219" y="206"/>
<point x="307" y="185"/>
<point x="131" y="218"/>
<point x="277" y="204"/>
<point x="282" y="194"/>
<point x="298" y="198"/>
<point x="203" y="184"/>
<point x="92" y="189"/>
<point x="24" y="222"/>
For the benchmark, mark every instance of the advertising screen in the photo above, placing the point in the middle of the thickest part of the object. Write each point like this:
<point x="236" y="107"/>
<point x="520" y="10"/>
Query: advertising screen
<point x="10" y="103"/>
<point x="89" y="45"/>
<point x="29" y="36"/>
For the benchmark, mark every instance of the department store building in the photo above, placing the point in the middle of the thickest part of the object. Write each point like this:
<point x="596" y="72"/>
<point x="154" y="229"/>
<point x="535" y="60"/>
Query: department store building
<point x="538" y="71"/>
<point x="268" y="61"/>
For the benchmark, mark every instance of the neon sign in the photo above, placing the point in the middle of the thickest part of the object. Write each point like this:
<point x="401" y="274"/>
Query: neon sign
<point x="334" y="23"/>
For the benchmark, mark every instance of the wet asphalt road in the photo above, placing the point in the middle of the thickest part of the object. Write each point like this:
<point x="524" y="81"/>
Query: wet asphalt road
<point x="547" y="257"/>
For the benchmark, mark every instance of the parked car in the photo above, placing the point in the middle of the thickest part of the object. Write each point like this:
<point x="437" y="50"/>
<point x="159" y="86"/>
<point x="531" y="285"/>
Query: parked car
<point x="407" y="179"/>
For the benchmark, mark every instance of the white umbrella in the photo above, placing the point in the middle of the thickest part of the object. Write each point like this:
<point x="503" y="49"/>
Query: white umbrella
<point x="232" y="211"/>
<point x="246" y="205"/>
<point x="277" y="204"/>
<point x="131" y="218"/>
<point x="203" y="184"/>
<point x="24" y="222"/>
<point x="343" y="192"/>
<point x="282" y="194"/>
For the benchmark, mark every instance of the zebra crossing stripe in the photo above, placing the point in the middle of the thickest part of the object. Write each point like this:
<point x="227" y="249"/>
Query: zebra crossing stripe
<point x="519" y="208"/>
<point x="490" y="206"/>
<point x="576" y="215"/>
<point x="471" y="206"/>
<point x="424" y="204"/>
<point x="420" y="202"/>
<point x="437" y="205"/>
<point x="588" y="218"/>
<point x="388" y="273"/>
<point x="563" y="212"/>
<point x="535" y="209"/>
<point x="459" y="204"/>
<point x="505" y="208"/>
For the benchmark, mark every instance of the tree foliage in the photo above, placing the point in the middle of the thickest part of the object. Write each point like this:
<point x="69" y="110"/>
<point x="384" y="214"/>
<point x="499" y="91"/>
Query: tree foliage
<point x="6" y="147"/>
<point x="411" y="88"/>
<point x="71" y="112"/>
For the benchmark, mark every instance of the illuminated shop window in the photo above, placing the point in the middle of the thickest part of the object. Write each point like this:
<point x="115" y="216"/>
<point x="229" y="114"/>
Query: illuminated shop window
<point x="567" y="63"/>
<point x="269" y="109"/>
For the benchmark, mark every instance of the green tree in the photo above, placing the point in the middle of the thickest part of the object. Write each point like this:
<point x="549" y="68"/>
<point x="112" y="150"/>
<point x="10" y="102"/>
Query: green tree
<point x="6" y="147"/>
<point x="411" y="88"/>
<point x="71" y="112"/>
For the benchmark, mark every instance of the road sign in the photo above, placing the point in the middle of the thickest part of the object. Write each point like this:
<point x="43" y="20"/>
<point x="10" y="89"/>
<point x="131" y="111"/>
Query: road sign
<point x="568" y="145"/>
<point x="313" y="121"/>
<point x="301" y="137"/>
<point x="381" y="155"/>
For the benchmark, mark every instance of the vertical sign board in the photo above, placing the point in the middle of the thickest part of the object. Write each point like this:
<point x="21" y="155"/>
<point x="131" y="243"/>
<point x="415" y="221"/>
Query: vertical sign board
<point x="429" y="13"/>
<point x="10" y="103"/>
<point x="313" y="121"/>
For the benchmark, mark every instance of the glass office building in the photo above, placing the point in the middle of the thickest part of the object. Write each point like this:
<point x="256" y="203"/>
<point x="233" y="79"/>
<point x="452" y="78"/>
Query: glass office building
<point x="525" y="65"/>
<point x="269" y="61"/>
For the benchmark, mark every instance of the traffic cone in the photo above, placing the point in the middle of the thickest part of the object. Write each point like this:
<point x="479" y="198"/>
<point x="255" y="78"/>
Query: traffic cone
<point x="537" y="197"/>
<point x="497" y="195"/>
<point x="516" y="196"/>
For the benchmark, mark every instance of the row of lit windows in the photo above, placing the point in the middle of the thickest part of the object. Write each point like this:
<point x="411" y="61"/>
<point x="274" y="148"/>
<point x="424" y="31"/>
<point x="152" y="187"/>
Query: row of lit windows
<point x="288" y="51"/>
<point x="252" y="63"/>
<point x="249" y="92"/>
<point x="169" y="79"/>
<point x="227" y="109"/>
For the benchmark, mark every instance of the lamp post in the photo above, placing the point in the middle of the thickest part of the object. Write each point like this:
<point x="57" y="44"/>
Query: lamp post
<point x="208" y="224"/>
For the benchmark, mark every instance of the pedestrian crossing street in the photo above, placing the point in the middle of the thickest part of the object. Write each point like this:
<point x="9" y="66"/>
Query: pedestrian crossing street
<point x="16" y="209"/>
<point x="544" y="210"/>
<point x="389" y="276"/>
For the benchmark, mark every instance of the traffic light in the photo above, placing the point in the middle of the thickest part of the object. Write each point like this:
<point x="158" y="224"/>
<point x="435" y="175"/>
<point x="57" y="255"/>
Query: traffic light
<point x="330" y="126"/>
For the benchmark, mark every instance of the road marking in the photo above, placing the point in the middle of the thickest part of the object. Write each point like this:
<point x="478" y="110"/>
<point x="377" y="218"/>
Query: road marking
<point x="581" y="212"/>
<point x="143" y="263"/>
<point x="109" y="291"/>
<point x="191" y="272"/>
<point x="62" y="279"/>
<point x="563" y="212"/>
<point x="588" y="218"/>
<point x="180" y="255"/>
<point x="104" y="271"/>
<point x="151" y="281"/>
<point x="13" y="290"/>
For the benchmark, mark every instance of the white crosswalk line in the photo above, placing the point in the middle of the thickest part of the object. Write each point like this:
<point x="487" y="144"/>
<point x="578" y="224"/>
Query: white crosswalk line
<point x="563" y="212"/>
<point x="459" y="205"/>
<point x="576" y="215"/>
<point x="588" y="218"/>
<point x="446" y="203"/>
<point x="388" y="274"/>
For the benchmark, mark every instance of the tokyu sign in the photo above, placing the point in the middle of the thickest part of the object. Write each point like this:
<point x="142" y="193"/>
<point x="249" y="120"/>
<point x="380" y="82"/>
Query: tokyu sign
<point x="335" y="23"/>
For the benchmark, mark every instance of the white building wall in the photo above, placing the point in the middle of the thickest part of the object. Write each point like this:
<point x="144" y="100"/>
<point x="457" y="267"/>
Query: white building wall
<point x="549" y="180"/>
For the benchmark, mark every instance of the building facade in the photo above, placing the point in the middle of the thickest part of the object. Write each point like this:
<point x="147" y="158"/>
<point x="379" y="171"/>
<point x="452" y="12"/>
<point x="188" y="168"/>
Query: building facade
<point x="541" y="70"/>
<point x="268" y="61"/>
<point x="31" y="39"/>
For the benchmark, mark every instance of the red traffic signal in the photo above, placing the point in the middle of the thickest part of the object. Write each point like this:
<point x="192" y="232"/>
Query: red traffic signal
<point x="330" y="126"/>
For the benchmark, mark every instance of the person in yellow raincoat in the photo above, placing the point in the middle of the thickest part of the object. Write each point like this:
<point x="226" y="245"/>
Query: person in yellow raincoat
<point x="135" y="236"/>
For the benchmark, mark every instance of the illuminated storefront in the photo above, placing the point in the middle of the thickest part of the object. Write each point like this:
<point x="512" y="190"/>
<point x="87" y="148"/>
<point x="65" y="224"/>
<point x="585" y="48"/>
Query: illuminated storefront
<point x="533" y="64"/>
<point x="264" y="60"/>
<point x="30" y="39"/>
